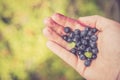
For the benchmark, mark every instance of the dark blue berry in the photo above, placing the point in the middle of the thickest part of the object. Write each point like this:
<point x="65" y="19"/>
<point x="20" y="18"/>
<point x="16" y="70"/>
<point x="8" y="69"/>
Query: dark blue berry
<point x="88" y="49"/>
<point x="87" y="62"/>
<point x="76" y="39"/>
<point x="78" y="43"/>
<point x="84" y="42"/>
<point x="94" y="30"/>
<point x="87" y="37"/>
<point x="90" y="41"/>
<point x="82" y="57"/>
<point x="94" y="37"/>
<point x="93" y="44"/>
<point x="77" y="36"/>
<point x="71" y="35"/>
<point x="82" y="47"/>
<point x="83" y="33"/>
<point x="77" y="31"/>
<point x="73" y="50"/>
<point x="87" y="28"/>
<point x="80" y="52"/>
<point x="65" y="37"/>
<point x="69" y="40"/>
<point x="67" y="29"/>
<point x="90" y="33"/>
<point x="94" y="56"/>
<point x="95" y="51"/>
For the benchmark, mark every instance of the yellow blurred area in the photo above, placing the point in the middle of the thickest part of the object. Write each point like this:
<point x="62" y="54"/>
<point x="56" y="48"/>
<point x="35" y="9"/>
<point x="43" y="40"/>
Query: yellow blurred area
<point x="23" y="51"/>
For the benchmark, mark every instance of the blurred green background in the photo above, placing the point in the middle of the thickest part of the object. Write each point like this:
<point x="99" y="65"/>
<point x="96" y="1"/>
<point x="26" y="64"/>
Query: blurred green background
<point x="23" y="51"/>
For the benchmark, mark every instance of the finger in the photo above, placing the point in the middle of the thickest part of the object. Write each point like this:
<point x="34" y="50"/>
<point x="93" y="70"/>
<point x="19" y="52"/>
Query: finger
<point x="94" y="21"/>
<point x="69" y="58"/>
<point x="66" y="21"/>
<point x="62" y="53"/>
<point x="53" y="36"/>
<point x="56" y="27"/>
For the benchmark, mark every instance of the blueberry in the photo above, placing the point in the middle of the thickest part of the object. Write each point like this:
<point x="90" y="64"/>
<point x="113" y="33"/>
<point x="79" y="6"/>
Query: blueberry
<point x="88" y="49"/>
<point x="87" y="37"/>
<point x="94" y="30"/>
<point x="80" y="52"/>
<point x="77" y="31"/>
<point x="83" y="33"/>
<point x="82" y="47"/>
<point x="90" y="33"/>
<point x="95" y="51"/>
<point x="69" y="40"/>
<point x="77" y="36"/>
<point x="94" y="37"/>
<point x="78" y="43"/>
<point x="84" y="42"/>
<point x="87" y="28"/>
<point x="89" y="59"/>
<point x="71" y="35"/>
<point x="94" y="56"/>
<point x="90" y="41"/>
<point x="87" y="62"/>
<point x="93" y="44"/>
<point x="76" y="39"/>
<point x="73" y="50"/>
<point x="67" y="29"/>
<point x="65" y="37"/>
<point x="82" y="57"/>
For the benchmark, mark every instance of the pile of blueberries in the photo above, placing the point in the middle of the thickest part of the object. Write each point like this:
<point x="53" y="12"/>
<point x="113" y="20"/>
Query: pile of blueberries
<point x="85" y="43"/>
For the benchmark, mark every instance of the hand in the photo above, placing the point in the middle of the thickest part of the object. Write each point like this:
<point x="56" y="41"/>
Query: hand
<point x="107" y="64"/>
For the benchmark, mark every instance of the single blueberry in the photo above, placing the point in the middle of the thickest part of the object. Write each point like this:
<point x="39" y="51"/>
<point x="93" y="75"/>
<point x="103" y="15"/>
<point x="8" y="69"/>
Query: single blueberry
<point x="69" y="40"/>
<point x="67" y="29"/>
<point x="65" y="37"/>
<point x="93" y="44"/>
<point x="76" y="39"/>
<point x="77" y="36"/>
<point x="87" y="37"/>
<point x="82" y="57"/>
<point x="87" y="62"/>
<point x="71" y="35"/>
<point x="94" y="37"/>
<point x="87" y="28"/>
<point x="84" y="42"/>
<point x="77" y="31"/>
<point x="88" y="49"/>
<point x="95" y="51"/>
<point x="82" y="47"/>
<point x="90" y="33"/>
<point x="78" y="43"/>
<point x="94" y="56"/>
<point x="73" y="50"/>
<point x="83" y="33"/>
<point x="90" y="41"/>
<point x="89" y="59"/>
<point x="94" y="30"/>
<point x="80" y="52"/>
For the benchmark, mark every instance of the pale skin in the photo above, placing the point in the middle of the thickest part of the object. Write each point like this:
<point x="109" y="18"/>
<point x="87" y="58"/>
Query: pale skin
<point x="107" y="64"/>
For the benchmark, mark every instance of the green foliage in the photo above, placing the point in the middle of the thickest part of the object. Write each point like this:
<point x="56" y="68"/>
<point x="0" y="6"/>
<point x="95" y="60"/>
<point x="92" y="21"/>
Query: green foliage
<point x="23" y="51"/>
